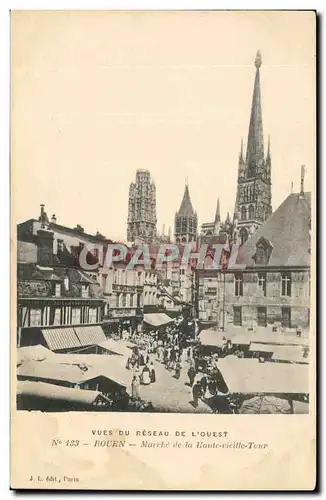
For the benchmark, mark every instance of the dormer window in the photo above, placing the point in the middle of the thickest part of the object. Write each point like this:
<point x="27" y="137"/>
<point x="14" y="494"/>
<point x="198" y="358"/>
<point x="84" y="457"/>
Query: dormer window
<point x="84" y="291"/>
<point x="263" y="251"/>
<point x="66" y="283"/>
<point x="60" y="245"/>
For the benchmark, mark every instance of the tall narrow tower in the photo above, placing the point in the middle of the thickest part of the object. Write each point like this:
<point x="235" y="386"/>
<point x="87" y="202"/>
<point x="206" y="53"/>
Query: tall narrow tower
<point x="142" y="208"/>
<point x="254" y="194"/>
<point x="185" y="220"/>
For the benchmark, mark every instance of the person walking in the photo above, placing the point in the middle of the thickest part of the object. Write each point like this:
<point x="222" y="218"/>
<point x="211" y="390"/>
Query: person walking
<point x="196" y="393"/>
<point x="135" y="388"/>
<point x="203" y="384"/>
<point x="152" y="374"/>
<point x="191" y="375"/>
<point x="177" y="369"/>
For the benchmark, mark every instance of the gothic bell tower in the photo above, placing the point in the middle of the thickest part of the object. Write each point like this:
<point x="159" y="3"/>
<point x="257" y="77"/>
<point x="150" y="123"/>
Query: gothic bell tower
<point x="254" y="191"/>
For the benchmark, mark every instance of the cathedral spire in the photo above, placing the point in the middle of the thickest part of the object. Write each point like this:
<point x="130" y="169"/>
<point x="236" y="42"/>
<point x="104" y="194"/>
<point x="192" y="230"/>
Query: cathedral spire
<point x="255" y="145"/>
<point x="186" y="205"/>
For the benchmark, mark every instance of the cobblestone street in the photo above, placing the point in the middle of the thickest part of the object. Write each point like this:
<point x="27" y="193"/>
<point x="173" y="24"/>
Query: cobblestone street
<point x="168" y="394"/>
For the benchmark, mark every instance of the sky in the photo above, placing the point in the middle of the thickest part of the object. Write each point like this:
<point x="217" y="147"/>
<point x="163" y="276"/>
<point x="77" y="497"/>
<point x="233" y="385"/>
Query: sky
<point x="97" y="95"/>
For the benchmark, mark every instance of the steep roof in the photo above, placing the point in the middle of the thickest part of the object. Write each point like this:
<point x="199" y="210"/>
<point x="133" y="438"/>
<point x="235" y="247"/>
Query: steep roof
<point x="186" y="207"/>
<point x="288" y="231"/>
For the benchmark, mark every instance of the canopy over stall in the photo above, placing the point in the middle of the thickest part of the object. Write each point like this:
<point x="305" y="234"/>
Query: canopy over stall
<point x="265" y="404"/>
<point x="249" y="376"/>
<point x="256" y="347"/>
<point x="294" y="354"/>
<point x="157" y="319"/>
<point x="212" y="338"/>
<point x="115" y="347"/>
<point x="43" y="390"/>
<point x="33" y="353"/>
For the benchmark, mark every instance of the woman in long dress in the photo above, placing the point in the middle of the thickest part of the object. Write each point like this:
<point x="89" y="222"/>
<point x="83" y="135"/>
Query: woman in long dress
<point x="146" y="375"/>
<point x="135" y="388"/>
<point x="152" y="373"/>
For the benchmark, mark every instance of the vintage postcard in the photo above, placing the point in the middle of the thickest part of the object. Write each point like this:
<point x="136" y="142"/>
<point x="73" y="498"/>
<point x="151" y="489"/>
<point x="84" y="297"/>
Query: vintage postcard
<point x="163" y="321"/>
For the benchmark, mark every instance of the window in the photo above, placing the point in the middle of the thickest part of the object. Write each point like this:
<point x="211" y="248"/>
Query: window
<point x="84" y="291"/>
<point x="261" y="316"/>
<point x="123" y="300"/>
<point x="237" y="316"/>
<point x="260" y="255"/>
<point x="66" y="283"/>
<point x="35" y="317"/>
<point x="251" y="212"/>
<point x="243" y="213"/>
<point x="75" y="316"/>
<point x="57" y="289"/>
<point x="262" y="282"/>
<point x="115" y="276"/>
<point x="238" y="285"/>
<point x="92" y="315"/>
<point x="134" y="302"/>
<point x="243" y="235"/>
<point x="127" y="300"/>
<point x="286" y="317"/>
<point x="286" y="284"/>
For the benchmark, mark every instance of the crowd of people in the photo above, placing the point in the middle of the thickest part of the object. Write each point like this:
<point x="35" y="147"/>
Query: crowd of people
<point x="177" y="352"/>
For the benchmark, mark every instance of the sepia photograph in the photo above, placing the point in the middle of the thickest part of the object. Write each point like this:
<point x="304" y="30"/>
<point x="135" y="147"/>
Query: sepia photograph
<point x="163" y="197"/>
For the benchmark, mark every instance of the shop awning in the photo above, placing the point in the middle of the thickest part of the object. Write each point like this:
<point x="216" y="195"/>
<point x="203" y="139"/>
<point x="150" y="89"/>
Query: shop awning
<point x="60" y="338"/>
<point x="90" y="334"/>
<point x="212" y="338"/>
<point x="157" y="319"/>
<point x="256" y="347"/>
<point x="296" y="354"/>
<point x="249" y="376"/>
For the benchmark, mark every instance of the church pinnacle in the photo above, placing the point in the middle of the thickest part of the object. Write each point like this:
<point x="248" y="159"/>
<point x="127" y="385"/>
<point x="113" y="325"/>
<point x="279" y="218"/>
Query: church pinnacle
<point x="253" y="202"/>
<point x="255" y="144"/>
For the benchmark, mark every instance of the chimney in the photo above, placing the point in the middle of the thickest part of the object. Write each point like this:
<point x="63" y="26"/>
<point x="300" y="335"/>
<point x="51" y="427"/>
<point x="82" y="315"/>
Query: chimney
<point x="54" y="219"/>
<point x="45" y="247"/>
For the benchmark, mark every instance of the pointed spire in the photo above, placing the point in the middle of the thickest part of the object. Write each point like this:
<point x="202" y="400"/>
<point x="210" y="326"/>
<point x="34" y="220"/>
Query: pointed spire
<point x="186" y="205"/>
<point x="217" y="213"/>
<point x="255" y="145"/>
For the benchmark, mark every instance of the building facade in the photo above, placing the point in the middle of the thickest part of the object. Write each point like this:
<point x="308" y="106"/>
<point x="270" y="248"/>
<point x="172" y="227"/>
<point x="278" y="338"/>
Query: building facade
<point x="141" y="224"/>
<point x="59" y="305"/>
<point x="45" y="242"/>
<point x="254" y="192"/>
<point x="273" y="288"/>
<point x="186" y="220"/>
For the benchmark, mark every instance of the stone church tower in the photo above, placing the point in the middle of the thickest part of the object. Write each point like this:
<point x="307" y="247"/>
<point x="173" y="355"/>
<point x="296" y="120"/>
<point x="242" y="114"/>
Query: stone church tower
<point x="185" y="220"/>
<point x="254" y="194"/>
<point x="142" y="209"/>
